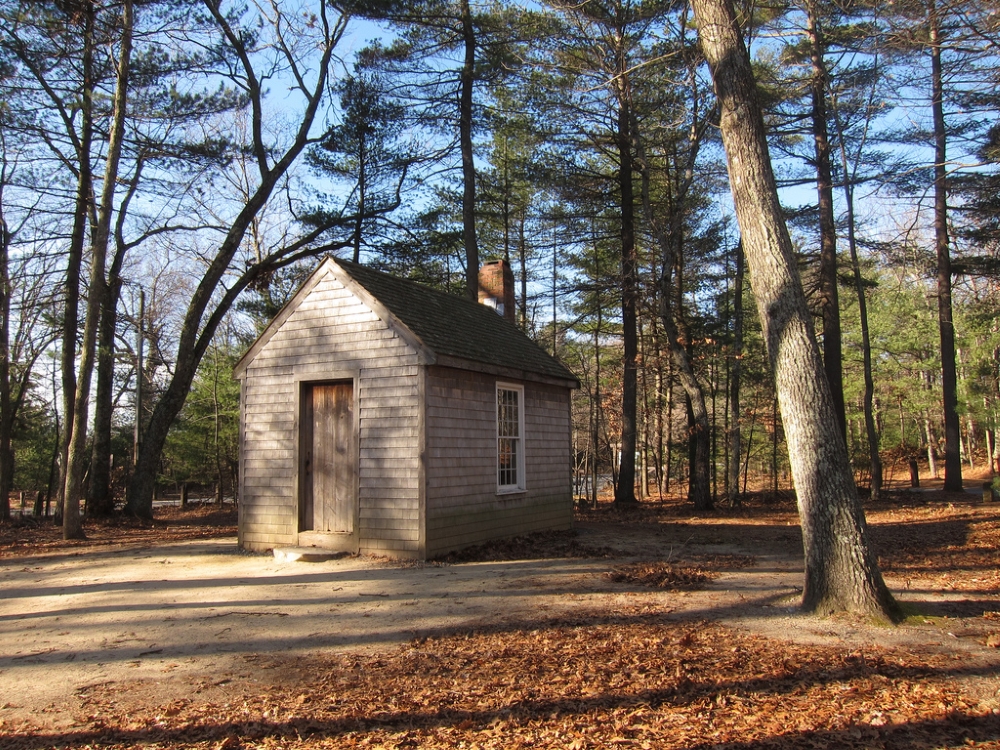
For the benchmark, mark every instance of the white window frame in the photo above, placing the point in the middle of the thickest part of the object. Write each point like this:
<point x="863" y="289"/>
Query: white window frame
<point x="504" y="473"/>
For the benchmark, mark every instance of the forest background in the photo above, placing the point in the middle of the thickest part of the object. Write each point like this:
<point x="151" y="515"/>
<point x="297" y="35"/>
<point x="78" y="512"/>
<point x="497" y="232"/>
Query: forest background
<point x="170" y="171"/>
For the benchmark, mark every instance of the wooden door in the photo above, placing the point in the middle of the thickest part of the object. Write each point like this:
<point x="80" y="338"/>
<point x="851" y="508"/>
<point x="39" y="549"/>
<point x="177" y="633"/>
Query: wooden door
<point x="328" y="497"/>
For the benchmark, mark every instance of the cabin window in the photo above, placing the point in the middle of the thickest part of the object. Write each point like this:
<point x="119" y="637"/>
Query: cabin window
<point x="510" y="438"/>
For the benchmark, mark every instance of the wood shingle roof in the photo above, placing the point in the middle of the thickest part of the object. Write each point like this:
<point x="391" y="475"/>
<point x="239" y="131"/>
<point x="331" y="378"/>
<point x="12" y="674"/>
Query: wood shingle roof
<point x="455" y="327"/>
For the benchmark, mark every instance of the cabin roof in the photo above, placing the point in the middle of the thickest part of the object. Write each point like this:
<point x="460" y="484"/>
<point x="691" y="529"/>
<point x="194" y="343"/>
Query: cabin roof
<point x="444" y="325"/>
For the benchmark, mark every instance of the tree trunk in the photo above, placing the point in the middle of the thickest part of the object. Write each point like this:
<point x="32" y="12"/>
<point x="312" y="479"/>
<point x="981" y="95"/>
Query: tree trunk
<point x="931" y="448"/>
<point x="625" y="490"/>
<point x="52" y="485"/>
<point x="832" y="347"/>
<point x="995" y="455"/>
<point x="468" y="164"/>
<point x="970" y="439"/>
<point x="6" y="412"/>
<point x="660" y="406"/>
<point x="74" y="255"/>
<point x="735" y="374"/>
<point x="946" y="325"/>
<point x="774" y="444"/>
<point x="100" y="499"/>
<point x="197" y="329"/>
<point x="670" y="431"/>
<point x="359" y="221"/>
<point x="522" y="257"/>
<point x="714" y="427"/>
<point x="597" y="387"/>
<point x="902" y="423"/>
<point x="642" y="436"/>
<point x="840" y="568"/>
<point x="76" y="456"/>
<point x="874" y="459"/>
<point x="988" y="435"/>
<point x="699" y="480"/>
<point x="216" y="413"/>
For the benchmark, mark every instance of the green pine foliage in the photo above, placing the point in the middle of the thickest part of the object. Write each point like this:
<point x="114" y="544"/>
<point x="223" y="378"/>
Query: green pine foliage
<point x="202" y="449"/>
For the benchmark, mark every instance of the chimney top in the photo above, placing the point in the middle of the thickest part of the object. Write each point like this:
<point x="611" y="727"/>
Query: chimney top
<point x="496" y="287"/>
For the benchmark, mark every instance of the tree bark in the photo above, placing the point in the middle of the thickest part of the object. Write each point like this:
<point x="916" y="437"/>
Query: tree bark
<point x="735" y="375"/>
<point x="468" y="80"/>
<point x="840" y="568"/>
<point x="832" y="343"/>
<point x="699" y="481"/>
<point x="931" y="448"/>
<point x="74" y="254"/>
<point x="359" y="221"/>
<point x="995" y="455"/>
<point x="100" y="500"/>
<point x="76" y="456"/>
<point x="946" y="324"/>
<point x="625" y="491"/>
<point x="6" y="412"/>
<point x="522" y="258"/>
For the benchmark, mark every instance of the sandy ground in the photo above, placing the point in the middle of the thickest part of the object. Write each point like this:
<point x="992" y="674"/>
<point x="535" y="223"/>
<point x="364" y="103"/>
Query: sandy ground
<point x="195" y="617"/>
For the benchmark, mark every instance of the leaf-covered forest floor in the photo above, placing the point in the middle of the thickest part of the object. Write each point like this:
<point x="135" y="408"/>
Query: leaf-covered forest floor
<point x="33" y="536"/>
<point x="643" y="661"/>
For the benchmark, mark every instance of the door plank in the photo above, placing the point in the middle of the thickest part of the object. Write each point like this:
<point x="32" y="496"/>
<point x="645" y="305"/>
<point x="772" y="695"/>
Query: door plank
<point x="333" y="474"/>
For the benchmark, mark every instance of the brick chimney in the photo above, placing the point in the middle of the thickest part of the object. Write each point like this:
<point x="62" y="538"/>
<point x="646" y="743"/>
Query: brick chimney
<point x="496" y="287"/>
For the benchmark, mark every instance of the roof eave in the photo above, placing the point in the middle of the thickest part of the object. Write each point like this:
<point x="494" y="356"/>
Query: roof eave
<point x="514" y="373"/>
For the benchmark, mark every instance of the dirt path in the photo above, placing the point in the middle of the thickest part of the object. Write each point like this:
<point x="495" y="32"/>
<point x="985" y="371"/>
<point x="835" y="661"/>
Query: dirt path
<point x="199" y="617"/>
<point x="189" y="612"/>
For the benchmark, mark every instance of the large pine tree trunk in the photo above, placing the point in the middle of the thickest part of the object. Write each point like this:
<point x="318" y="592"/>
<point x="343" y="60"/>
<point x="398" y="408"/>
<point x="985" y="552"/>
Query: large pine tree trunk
<point x="832" y="343"/>
<point x="699" y="482"/>
<point x="670" y="241"/>
<point x="625" y="490"/>
<point x="359" y="221"/>
<point x="840" y="568"/>
<point x="468" y="164"/>
<point x="995" y="455"/>
<point x="946" y="324"/>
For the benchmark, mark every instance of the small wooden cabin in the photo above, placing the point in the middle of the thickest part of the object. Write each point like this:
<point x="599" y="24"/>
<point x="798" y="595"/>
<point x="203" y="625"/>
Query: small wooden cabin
<point x="381" y="416"/>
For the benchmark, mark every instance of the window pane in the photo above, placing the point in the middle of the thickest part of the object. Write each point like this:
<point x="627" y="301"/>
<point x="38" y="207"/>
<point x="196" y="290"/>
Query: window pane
<point x="507" y="416"/>
<point x="508" y="438"/>
<point x="507" y="454"/>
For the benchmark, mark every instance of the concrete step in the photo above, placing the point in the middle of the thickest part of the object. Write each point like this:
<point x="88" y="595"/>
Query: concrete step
<point x="306" y="554"/>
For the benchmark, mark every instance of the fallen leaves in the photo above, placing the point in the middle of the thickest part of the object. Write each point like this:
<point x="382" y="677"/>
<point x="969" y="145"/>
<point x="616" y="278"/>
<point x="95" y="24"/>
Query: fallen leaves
<point x="694" y="572"/>
<point x="540" y="545"/>
<point x="603" y="681"/>
<point x="31" y="536"/>
<point x="629" y="678"/>
<point x="950" y="546"/>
